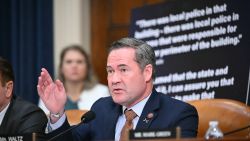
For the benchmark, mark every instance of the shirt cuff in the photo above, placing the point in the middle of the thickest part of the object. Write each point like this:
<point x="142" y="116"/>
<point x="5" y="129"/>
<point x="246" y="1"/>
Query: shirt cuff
<point x="51" y="127"/>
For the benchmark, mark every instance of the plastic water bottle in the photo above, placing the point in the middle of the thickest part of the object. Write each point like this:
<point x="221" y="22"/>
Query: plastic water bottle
<point x="213" y="131"/>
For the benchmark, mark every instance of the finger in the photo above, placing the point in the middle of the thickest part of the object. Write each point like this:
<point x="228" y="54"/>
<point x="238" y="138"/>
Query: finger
<point x="48" y="91"/>
<point x="41" y="93"/>
<point x="41" y="79"/>
<point x="60" y="86"/>
<point x="40" y="89"/>
<point x="45" y="81"/>
<point x="40" y="82"/>
<point x="47" y="77"/>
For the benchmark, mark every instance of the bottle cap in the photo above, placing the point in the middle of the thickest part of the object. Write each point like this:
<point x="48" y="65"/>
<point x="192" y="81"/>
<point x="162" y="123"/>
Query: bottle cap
<point x="213" y="123"/>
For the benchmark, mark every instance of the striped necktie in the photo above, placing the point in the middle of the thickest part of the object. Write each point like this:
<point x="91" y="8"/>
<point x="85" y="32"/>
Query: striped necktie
<point x="130" y="115"/>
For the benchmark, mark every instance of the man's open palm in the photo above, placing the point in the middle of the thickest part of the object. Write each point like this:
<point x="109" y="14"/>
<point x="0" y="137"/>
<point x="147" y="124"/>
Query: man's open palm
<point x="52" y="93"/>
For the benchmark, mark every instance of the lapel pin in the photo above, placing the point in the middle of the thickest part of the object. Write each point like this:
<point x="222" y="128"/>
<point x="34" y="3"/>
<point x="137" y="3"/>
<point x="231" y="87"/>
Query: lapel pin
<point x="149" y="116"/>
<point x="146" y="120"/>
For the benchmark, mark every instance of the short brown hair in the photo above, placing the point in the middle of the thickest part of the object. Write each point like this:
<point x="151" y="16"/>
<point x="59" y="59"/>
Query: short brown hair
<point x="6" y="71"/>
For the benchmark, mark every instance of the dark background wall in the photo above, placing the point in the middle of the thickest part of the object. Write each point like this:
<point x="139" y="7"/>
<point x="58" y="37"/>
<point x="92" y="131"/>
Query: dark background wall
<point x="110" y="20"/>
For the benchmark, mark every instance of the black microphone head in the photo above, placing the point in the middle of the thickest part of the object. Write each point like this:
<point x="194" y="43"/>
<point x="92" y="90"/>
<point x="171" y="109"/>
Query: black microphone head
<point x="88" y="116"/>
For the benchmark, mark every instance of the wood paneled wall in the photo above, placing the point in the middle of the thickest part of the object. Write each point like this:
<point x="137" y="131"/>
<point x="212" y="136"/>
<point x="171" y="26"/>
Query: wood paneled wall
<point x="110" y="21"/>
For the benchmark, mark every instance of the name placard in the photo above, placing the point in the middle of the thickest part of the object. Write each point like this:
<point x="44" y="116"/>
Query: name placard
<point x="152" y="134"/>
<point x="23" y="137"/>
<point x="26" y="137"/>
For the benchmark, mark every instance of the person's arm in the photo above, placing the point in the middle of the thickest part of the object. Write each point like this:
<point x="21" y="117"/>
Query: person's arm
<point x="33" y="121"/>
<point x="54" y="98"/>
<point x="52" y="94"/>
<point x="53" y="126"/>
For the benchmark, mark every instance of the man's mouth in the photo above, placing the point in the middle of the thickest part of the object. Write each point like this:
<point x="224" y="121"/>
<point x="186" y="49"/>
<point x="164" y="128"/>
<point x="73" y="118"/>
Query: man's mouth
<point x="117" y="90"/>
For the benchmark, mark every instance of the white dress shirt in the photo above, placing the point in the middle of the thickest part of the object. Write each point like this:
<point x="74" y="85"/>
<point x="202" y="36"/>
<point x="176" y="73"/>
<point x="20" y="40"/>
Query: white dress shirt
<point x="122" y="119"/>
<point x="51" y="127"/>
<point x="3" y="112"/>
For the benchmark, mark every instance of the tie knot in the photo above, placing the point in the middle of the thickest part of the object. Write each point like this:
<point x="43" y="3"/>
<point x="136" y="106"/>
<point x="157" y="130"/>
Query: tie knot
<point x="130" y="115"/>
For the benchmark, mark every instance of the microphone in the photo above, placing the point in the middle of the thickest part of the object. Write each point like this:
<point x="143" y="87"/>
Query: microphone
<point x="87" y="117"/>
<point x="237" y="130"/>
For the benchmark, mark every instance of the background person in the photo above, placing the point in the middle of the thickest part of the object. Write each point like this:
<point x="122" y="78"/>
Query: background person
<point x="81" y="85"/>
<point x="17" y="116"/>
<point x="130" y="73"/>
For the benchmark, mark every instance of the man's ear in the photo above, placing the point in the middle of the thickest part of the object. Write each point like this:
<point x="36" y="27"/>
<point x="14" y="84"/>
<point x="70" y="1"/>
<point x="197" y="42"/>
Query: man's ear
<point x="148" y="72"/>
<point x="9" y="88"/>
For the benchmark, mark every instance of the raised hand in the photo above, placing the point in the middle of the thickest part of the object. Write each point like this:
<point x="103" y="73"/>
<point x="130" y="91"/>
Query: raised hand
<point x="52" y="93"/>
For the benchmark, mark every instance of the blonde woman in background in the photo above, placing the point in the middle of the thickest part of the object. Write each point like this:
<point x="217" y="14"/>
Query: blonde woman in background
<point x="81" y="85"/>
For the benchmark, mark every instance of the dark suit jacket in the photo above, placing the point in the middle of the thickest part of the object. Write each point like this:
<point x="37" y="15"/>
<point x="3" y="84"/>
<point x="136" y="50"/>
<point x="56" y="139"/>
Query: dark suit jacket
<point x="23" y="117"/>
<point x="168" y="114"/>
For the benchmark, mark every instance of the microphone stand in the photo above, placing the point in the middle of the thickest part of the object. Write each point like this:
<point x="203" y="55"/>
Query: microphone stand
<point x="65" y="131"/>
<point x="237" y="130"/>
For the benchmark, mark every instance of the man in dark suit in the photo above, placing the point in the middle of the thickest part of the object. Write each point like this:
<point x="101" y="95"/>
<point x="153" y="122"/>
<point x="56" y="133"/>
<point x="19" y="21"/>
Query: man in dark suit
<point x="130" y="73"/>
<point x="17" y="116"/>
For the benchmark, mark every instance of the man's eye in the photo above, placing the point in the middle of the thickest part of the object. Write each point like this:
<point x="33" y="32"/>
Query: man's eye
<point x="123" y="70"/>
<point x="110" y="71"/>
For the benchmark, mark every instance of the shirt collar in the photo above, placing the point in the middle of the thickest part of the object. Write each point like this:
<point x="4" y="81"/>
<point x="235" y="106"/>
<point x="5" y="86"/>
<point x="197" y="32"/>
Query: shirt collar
<point x="2" y="113"/>
<point x="137" y="108"/>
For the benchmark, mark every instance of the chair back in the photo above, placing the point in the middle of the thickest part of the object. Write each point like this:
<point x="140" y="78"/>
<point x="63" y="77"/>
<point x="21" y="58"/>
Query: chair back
<point x="74" y="116"/>
<point x="230" y="114"/>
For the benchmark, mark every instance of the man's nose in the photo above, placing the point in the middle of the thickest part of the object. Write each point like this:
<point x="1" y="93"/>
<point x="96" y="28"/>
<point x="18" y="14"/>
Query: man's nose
<point x="116" y="78"/>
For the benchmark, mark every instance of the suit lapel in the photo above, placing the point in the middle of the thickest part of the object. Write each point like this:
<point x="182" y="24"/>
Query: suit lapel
<point x="112" y="118"/>
<point x="149" y="112"/>
<point x="7" y="119"/>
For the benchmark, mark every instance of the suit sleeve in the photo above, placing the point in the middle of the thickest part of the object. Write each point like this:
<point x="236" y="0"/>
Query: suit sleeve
<point x="33" y="121"/>
<point x="188" y="121"/>
<point x="75" y="134"/>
